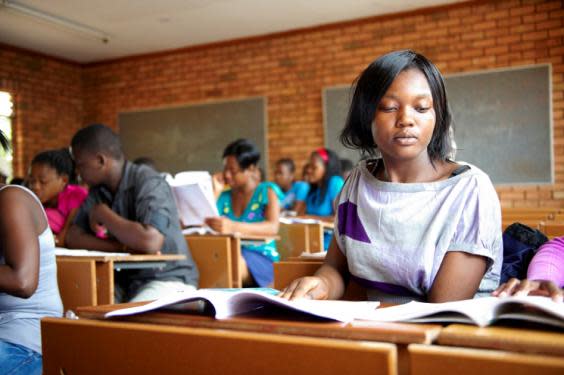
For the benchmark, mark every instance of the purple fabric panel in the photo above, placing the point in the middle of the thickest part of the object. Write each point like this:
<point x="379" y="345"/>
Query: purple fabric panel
<point x="393" y="289"/>
<point x="350" y="224"/>
<point x="548" y="262"/>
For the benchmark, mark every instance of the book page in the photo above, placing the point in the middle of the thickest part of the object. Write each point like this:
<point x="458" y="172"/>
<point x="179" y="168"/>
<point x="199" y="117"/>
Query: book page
<point x="85" y="253"/>
<point x="227" y="304"/>
<point x="531" y="308"/>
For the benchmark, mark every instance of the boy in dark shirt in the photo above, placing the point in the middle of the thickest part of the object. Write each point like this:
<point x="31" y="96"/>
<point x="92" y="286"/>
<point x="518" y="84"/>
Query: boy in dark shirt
<point x="128" y="206"/>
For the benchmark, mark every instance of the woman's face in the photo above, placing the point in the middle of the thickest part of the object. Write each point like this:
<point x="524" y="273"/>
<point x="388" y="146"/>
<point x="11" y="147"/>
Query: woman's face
<point x="316" y="169"/>
<point x="405" y="118"/>
<point x="46" y="183"/>
<point x="233" y="175"/>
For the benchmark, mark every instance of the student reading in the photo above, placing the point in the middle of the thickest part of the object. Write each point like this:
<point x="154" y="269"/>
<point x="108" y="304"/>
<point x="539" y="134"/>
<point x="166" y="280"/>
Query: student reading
<point x="249" y="207"/>
<point x="128" y="205"/>
<point x="51" y="178"/>
<point x="411" y="224"/>
<point x="28" y="278"/>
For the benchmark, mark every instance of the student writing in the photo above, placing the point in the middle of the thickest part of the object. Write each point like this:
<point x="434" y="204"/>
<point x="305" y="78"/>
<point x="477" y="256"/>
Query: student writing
<point x="28" y="278"/>
<point x="410" y="224"/>
<point x="248" y="207"/>
<point x="133" y="207"/>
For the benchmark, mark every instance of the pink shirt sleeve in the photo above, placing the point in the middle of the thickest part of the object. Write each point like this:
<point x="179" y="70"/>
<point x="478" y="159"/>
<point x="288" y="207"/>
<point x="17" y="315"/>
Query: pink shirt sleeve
<point x="56" y="219"/>
<point x="548" y="262"/>
<point x="70" y="198"/>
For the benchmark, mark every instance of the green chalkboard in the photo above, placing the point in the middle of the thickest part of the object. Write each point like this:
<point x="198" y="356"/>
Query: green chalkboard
<point x="193" y="137"/>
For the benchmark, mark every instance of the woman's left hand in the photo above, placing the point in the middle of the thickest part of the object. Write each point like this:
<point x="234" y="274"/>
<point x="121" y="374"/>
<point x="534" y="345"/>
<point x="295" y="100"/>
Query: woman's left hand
<point x="525" y="287"/>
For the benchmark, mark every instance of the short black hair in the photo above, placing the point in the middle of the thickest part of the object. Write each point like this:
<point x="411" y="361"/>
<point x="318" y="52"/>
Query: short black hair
<point x="98" y="138"/>
<point x="4" y="143"/>
<point x="60" y="160"/>
<point x="244" y="151"/>
<point x="287" y="162"/>
<point x="370" y="87"/>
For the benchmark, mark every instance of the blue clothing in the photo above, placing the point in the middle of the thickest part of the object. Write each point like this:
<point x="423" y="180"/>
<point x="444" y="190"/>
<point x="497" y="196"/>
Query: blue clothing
<point x="20" y="317"/>
<point x="298" y="192"/>
<point x="19" y="360"/>
<point x="323" y="206"/>
<point x="265" y="253"/>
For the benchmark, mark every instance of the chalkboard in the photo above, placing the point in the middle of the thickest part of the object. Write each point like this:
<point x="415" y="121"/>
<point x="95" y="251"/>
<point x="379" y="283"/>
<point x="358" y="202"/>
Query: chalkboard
<point x="503" y="122"/>
<point x="193" y="137"/>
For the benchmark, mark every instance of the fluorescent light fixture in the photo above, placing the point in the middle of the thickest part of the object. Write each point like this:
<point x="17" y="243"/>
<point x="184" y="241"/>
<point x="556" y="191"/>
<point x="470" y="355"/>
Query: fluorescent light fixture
<point x="66" y="23"/>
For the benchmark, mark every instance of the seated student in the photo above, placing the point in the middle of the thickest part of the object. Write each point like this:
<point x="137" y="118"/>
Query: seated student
<point x="295" y="192"/>
<point x="545" y="274"/>
<point x="128" y="206"/>
<point x="325" y="181"/>
<point x="50" y="179"/>
<point x="28" y="278"/>
<point x="249" y="207"/>
<point x="411" y="224"/>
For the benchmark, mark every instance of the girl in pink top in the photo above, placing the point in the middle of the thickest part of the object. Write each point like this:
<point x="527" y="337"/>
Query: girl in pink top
<point x="50" y="174"/>
<point x="545" y="274"/>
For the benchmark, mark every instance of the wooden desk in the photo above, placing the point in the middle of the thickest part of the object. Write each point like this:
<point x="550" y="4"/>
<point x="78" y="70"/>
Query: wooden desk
<point x="103" y="347"/>
<point x="297" y="238"/>
<point x="89" y="280"/>
<point x="395" y="333"/>
<point x="217" y="257"/>
<point x="510" y="351"/>
<point x="521" y="340"/>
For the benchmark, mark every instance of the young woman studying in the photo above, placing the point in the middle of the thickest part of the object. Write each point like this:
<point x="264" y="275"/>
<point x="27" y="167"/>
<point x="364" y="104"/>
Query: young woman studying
<point x="51" y="178"/>
<point x="28" y="278"/>
<point x="410" y="224"/>
<point x="250" y="207"/>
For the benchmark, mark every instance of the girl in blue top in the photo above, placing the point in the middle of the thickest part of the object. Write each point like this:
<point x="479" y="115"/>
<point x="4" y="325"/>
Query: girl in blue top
<point x="325" y="182"/>
<point x="250" y="207"/>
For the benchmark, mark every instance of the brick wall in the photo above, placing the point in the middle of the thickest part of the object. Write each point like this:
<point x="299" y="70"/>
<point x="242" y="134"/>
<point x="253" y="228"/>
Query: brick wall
<point x="47" y="94"/>
<point x="291" y="69"/>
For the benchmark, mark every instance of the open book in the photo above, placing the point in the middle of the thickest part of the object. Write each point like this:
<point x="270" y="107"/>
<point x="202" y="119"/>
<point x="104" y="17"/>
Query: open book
<point x="193" y="193"/>
<point x="478" y="311"/>
<point x="231" y="302"/>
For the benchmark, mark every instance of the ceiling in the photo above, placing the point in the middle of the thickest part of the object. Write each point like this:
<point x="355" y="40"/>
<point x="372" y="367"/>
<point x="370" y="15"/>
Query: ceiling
<point x="135" y="27"/>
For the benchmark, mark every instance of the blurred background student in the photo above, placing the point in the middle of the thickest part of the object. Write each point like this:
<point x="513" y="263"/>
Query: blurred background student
<point x="295" y="192"/>
<point x="249" y="207"/>
<point x="52" y="178"/>
<point x="28" y="278"/>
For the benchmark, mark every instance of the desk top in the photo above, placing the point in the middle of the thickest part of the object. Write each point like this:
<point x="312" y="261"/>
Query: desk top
<point x="242" y="237"/>
<point x="399" y="333"/>
<point x="503" y="338"/>
<point x="125" y="257"/>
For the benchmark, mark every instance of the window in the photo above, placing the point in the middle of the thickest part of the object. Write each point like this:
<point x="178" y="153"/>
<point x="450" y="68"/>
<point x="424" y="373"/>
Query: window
<point x="6" y="111"/>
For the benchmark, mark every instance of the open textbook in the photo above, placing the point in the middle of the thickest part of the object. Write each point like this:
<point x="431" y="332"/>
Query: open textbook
<point x="231" y="302"/>
<point x="478" y="311"/>
<point x="193" y="193"/>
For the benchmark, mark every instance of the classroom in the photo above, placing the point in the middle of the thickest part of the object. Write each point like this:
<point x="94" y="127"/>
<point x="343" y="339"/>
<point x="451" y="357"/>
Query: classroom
<point x="130" y="102"/>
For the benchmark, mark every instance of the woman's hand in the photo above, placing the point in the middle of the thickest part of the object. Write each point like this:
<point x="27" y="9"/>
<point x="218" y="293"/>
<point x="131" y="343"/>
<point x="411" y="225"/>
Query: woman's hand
<point x="312" y="287"/>
<point x="525" y="287"/>
<point x="220" y="224"/>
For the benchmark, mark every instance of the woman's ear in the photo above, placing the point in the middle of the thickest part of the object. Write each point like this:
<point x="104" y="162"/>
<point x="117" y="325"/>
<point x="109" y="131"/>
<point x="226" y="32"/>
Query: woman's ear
<point x="65" y="178"/>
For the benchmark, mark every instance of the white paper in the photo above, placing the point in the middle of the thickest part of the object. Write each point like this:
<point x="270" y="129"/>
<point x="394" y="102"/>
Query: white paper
<point x="228" y="303"/>
<point x="478" y="311"/>
<point x="193" y="193"/>
<point x="85" y="253"/>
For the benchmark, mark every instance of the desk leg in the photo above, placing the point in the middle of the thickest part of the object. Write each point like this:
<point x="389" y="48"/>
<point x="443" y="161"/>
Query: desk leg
<point x="77" y="282"/>
<point x="235" y="262"/>
<point x="105" y="282"/>
<point x="315" y="238"/>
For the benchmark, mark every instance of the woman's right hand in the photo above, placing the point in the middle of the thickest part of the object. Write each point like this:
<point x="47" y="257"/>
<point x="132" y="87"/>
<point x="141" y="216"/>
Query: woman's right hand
<point x="311" y="287"/>
<point x="530" y="287"/>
